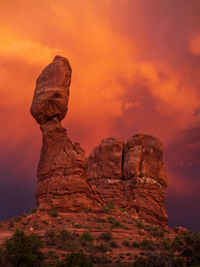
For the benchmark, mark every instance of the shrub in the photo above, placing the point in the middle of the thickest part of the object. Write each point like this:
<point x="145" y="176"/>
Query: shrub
<point x="102" y="260"/>
<point x="125" y="243"/>
<point x="35" y="225"/>
<point x="24" y="250"/>
<point x="33" y="210"/>
<point x="11" y="224"/>
<point x="53" y="212"/>
<point x="114" y="244"/>
<point x="158" y="260"/>
<point x="165" y="244"/>
<point x="114" y="222"/>
<point x="108" y="207"/>
<point x="99" y="220"/>
<point x="77" y="259"/>
<point x="148" y="245"/>
<point x="17" y="218"/>
<point x="135" y="244"/>
<point x="102" y="248"/>
<point x="50" y="238"/>
<point x="87" y="237"/>
<point x="51" y="255"/>
<point x="64" y="235"/>
<point x="191" y="250"/>
<point x="2" y="258"/>
<point x="122" y="209"/>
<point x="77" y="225"/>
<point x="177" y="243"/>
<point x="106" y="236"/>
<point x="139" y="224"/>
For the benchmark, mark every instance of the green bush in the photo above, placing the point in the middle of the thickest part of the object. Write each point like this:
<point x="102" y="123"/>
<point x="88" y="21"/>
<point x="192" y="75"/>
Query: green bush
<point x="77" y="225"/>
<point x="33" y="210"/>
<point x="50" y="238"/>
<point x="125" y="243"/>
<point x="87" y="237"/>
<point x="114" y="222"/>
<point x="2" y="257"/>
<point x="114" y="244"/>
<point x="158" y="260"/>
<point x="102" y="248"/>
<point x="77" y="259"/>
<point x="191" y="250"/>
<point x="24" y="250"/>
<point x="148" y="245"/>
<point x="108" y="207"/>
<point x="53" y="212"/>
<point x="106" y="236"/>
<point x="17" y="218"/>
<point x="139" y="224"/>
<point x="99" y="220"/>
<point x="64" y="235"/>
<point x="35" y="225"/>
<point x="11" y="224"/>
<point x="178" y="243"/>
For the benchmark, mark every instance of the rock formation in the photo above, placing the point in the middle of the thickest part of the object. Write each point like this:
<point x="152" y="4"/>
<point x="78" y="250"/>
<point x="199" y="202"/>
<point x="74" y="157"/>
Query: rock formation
<point x="104" y="170"/>
<point x="143" y="167"/>
<point x="61" y="171"/>
<point x="130" y="176"/>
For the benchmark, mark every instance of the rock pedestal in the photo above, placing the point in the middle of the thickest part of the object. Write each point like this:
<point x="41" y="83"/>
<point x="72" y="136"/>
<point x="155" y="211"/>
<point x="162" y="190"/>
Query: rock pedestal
<point x="61" y="171"/>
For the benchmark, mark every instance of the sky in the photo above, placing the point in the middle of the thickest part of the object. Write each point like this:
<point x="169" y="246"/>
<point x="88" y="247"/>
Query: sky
<point x="135" y="69"/>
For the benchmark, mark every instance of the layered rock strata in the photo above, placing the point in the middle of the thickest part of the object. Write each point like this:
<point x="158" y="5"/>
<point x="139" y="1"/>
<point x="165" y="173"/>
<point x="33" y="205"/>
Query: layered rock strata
<point x="61" y="170"/>
<point x="131" y="176"/>
<point x="104" y="170"/>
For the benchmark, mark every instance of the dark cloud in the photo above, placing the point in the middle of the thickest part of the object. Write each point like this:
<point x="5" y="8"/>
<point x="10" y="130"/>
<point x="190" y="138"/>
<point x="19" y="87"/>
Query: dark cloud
<point x="183" y="165"/>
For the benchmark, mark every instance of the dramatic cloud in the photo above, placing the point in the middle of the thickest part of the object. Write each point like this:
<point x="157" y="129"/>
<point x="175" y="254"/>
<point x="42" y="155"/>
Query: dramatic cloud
<point x="136" y="68"/>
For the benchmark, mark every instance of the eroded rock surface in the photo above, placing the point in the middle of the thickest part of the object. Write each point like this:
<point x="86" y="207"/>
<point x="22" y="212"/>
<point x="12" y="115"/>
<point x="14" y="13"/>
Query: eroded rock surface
<point x="61" y="170"/>
<point x="143" y="167"/>
<point x="52" y="91"/>
<point x="104" y="169"/>
<point x="131" y="176"/>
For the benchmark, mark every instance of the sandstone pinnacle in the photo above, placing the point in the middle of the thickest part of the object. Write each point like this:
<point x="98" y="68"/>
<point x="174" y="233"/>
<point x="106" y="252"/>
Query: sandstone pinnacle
<point x="61" y="170"/>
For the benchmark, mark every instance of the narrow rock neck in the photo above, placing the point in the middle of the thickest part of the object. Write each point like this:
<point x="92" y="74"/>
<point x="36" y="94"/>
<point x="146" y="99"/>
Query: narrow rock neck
<point x="51" y="127"/>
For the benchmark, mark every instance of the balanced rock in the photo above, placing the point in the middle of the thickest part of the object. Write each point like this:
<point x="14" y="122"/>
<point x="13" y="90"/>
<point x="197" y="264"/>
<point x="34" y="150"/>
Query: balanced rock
<point x="131" y="176"/>
<point x="61" y="170"/>
<point x="51" y="95"/>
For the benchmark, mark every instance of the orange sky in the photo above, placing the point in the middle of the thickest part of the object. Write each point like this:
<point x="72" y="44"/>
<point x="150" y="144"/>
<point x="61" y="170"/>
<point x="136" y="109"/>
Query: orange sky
<point x="136" y="68"/>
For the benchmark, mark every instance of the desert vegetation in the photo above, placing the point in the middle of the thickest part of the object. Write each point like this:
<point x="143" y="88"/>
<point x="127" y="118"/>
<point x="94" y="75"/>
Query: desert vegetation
<point x="23" y="250"/>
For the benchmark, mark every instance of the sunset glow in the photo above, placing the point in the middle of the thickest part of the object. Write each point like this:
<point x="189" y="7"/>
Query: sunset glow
<point x="135" y="69"/>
